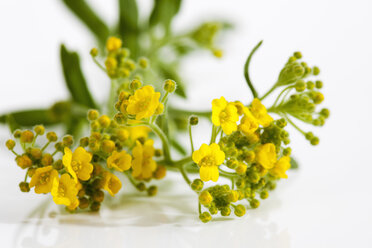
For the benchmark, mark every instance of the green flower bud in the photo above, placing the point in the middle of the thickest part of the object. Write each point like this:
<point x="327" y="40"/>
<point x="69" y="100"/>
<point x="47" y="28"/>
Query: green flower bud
<point x="169" y="86"/>
<point x="205" y="217"/>
<point x="309" y="135"/>
<point x="325" y="112"/>
<point x="297" y="55"/>
<point x="197" y="185"/>
<point x="84" y="142"/>
<point x="135" y="84"/>
<point x="213" y="210"/>
<point x="205" y="198"/>
<point x="239" y="210"/>
<point x="143" y="62"/>
<point x="83" y="203"/>
<point x="39" y="129"/>
<point x="232" y="163"/>
<point x="24" y="187"/>
<point x="141" y="187"/>
<point x="193" y="120"/>
<point x="59" y="146"/>
<point x="264" y="194"/>
<point x="27" y="136"/>
<point x="58" y="165"/>
<point x="67" y="140"/>
<point x="10" y="144"/>
<point x="225" y="211"/>
<point x="287" y="151"/>
<point x="290" y="74"/>
<point x="319" y="84"/>
<point x="98" y="196"/>
<point x="17" y="134"/>
<point x="152" y="191"/>
<point x="300" y="86"/>
<point x="104" y="121"/>
<point x="95" y="206"/>
<point x="120" y="118"/>
<point x="93" y="115"/>
<point x="314" y="141"/>
<point x="254" y="203"/>
<point x="94" y="52"/>
<point x="52" y="136"/>
<point x="310" y="85"/>
<point x="316" y="70"/>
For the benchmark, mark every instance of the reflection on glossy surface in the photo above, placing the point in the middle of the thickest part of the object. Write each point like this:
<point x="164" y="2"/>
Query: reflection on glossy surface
<point x="142" y="221"/>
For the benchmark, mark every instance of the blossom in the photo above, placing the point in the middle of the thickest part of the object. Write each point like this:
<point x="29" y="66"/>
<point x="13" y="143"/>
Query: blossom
<point x="113" y="44"/>
<point x="78" y="163"/>
<point x="248" y="124"/>
<point x="120" y="161"/>
<point x="111" y="183"/>
<point x="43" y="179"/>
<point x="209" y="158"/>
<point x="266" y="155"/>
<point x="281" y="167"/>
<point x="260" y="113"/>
<point x="64" y="191"/>
<point x="224" y="114"/>
<point x="143" y="103"/>
<point x="142" y="164"/>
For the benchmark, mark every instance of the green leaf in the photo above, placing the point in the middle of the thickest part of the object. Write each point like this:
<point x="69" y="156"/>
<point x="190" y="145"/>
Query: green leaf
<point x="28" y="118"/>
<point x="163" y="13"/>
<point x="84" y="12"/>
<point x="75" y="79"/>
<point x="294" y="164"/>
<point x="128" y="25"/>
<point x="13" y="125"/>
<point x="178" y="147"/>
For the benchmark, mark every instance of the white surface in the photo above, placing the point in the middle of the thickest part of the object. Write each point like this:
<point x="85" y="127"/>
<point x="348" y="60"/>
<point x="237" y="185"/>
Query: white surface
<point x="326" y="203"/>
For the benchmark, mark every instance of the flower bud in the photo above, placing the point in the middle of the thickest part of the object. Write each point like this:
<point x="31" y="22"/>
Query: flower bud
<point x="59" y="146"/>
<point x="264" y="194"/>
<point x="314" y="141"/>
<point x="94" y="52"/>
<point x="205" y="198"/>
<point x="52" y="136"/>
<point x="241" y="169"/>
<point x="152" y="191"/>
<point x="93" y="115"/>
<point x="300" y="86"/>
<point x="104" y="121"/>
<point x="47" y="159"/>
<point x="83" y="203"/>
<point x="27" y="136"/>
<point x="193" y="120"/>
<point x="226" y="211"/>
<point x="239" y="210"/>
<point x="218" y="53"/>
<point x="213" y="210"/>
<point x="95" y="206"/>
<point x="84" y="142"/>
<point x="113" y="44"/>
<point x="135" y="84"/>
<point x="158" y="153"/>
<point x="98" y="196"/>
<point x="232" y="163"/>
<point x="39" y="129"/>
<point x="10" y="144"/>
<point x="143" y="62"/>
<point x="254" y="203"/>
<point x="318" y="98"/>
<point x="169" y="86"/>
<point x="205" y="217"/>
<point x="108" y="146"/>
<point x="233" y="196"/>
<point x="24" y="161"/>
<point x="160" y="109"/>
<point x="316" y="70"/>
<point x="68" y="140"/>
<point x="297" y="55"/>
<point x="141" y="187"/>
<point x="111" y="64"/>
<point x="35" y="153"/>
<point x="197" y="185"/>
<point x="17" y="134"/>
<point x="58" y="165"/>
<point x="319" y="84"/>
<point x="325" y="112"/>
<point x="24" y="187"/>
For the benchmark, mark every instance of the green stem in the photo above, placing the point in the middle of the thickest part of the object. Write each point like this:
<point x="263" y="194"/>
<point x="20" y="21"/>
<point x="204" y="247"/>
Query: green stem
<point x="33" y="142"/>
<point x="184" y="174"/>
<point x="199" y="207"/>
<point x="99" y="65"/>
<point x="269" y="92"/>
<point x="14" y="152"/>
<point x="175" y="111"/>
<point x="182" y="161"/>
<point x="191" y="142"/>
<point x="131" y="179"/>
<point x="112" y="98"/>
<point x="281" y="93"/>
<point x="46" y="145"/>
<point x="156" y="129"/>
<point x="214" y="134"/>
<point x="294" y="125"/>
<point x="246" y="71"/>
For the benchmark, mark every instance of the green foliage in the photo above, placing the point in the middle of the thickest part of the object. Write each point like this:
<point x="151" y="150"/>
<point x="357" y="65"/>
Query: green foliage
<point x="163" y="13"/>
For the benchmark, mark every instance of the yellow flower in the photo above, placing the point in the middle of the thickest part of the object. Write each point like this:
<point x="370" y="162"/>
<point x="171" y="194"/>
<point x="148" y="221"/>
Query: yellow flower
<point x="113" y="44"/>
<point x="120" y="161"/>
<point x="260" y="113"/>
<point x="283" y="164"/>
<point x="225" y="114"/>
<point x="78" y="163"/>
<point x="266" y="155"/>
<point x="137" y="132"/>
<point x="142" y="164"/>
<point x="64" y="191"/>
<point x="248" y="124"/>
<point x="143" y="103"/>
<point x="43" y="179"/>
<point x="111" y="183"/>
<point x="209" y="158"/>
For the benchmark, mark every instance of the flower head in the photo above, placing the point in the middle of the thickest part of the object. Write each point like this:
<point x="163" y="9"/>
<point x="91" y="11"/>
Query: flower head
<point x="78" y="163"/>
<point x="266" y="155"/>
<point x="111" y="183"/>
<point x="143" y="103"/>
<point x="224" y="114"/>
<point x="248" y="124"/>
<point x="142" y="164"/>
<point x="43" y="179"/>
<point x="120" y="161"/>
<point x="281" y="167"/>
<point x="260" y="113"/>
<point x="64" y="191"/>
<point x="209" y="158"/>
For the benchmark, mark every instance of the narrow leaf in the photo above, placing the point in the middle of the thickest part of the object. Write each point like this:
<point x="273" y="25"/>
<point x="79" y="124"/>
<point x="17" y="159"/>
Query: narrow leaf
<point x="178" y="147"/>
<point x="85" y="13"/>
<point x="27" y="118"/>
<point x="74" y="78"/>
<point x="294" y="163"/>
<point x="163" y="13"/>
<point x="12" y="124"/>
<point x="128" y="25"/>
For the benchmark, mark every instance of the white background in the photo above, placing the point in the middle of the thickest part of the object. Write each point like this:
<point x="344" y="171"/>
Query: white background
<point x="327" y="203"/>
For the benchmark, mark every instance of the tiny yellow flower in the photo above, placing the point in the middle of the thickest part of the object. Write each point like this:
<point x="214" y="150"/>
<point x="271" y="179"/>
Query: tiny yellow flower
<point x="113" y="44"/>
<point x="143" y="103"/>
<point x="43" y="179"/>
<point x="248" y="124"/>
<point x="111" y="183"/>
<point x="209" y="158"/>
<point x="225" y="114"/>
<point x="120" y="161"/>
<point x="137" y="132"/>
<point x="142" y="164"/>
<point x="205" y="198"/>
<point x="266" y="155"/>
<point x="64" y="191"/>
<point x="78" y="163"/>
<point x="260" y="113"/>
<point x="280" y="168"/>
